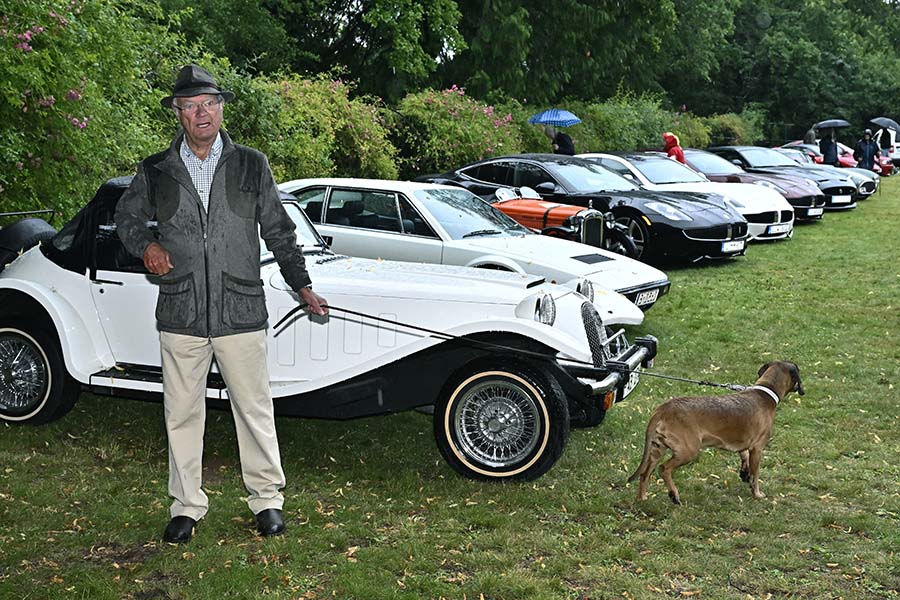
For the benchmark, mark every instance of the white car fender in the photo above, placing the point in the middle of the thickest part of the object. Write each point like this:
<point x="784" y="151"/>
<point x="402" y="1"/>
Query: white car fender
<point x="490" y="260"/>
<point x="84" y="347"/>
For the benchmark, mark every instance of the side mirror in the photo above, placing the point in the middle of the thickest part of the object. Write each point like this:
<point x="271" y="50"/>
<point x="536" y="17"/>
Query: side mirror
<point x="547" y="187"/>
<point x="736" y="161"/>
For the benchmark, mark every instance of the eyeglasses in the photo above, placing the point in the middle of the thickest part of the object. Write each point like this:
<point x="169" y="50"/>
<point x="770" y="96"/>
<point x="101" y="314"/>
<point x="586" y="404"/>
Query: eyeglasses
<point x="191" y="107"/>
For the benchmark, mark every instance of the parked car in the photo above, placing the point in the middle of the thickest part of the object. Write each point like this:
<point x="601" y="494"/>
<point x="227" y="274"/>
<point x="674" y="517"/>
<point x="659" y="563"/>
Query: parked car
<point x="839" y="190"/>
<point x="425" y="222"/>
<point x="866" y="182"/>
<point x="503" y="357"/>
<point x="803" y="194"/>
<point x="845" y="154"/>
<point x="768" y="214"/>
<point x="664" y="225"/>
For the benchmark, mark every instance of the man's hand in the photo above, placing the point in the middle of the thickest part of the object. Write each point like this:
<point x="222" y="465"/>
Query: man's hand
<point x="316" y="303"/>
<point x="157" y="259"/>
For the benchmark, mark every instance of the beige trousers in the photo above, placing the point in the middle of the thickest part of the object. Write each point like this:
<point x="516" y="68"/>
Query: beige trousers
<point x="241" y="358"/>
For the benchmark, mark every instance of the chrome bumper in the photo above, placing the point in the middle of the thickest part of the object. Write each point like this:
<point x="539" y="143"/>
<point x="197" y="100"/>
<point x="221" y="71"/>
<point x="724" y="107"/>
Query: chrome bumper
<point x="615" y="373"/>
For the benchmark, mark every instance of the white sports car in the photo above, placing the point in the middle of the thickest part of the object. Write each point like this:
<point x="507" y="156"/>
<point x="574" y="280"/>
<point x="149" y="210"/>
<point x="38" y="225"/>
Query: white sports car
<point x="505" y="358"/>
<point x="769" y="216"/>
<point x="425" y="222"/>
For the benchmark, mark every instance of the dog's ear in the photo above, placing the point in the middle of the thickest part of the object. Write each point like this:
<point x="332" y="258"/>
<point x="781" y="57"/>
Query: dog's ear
<point x="763" y="368"/>
<point x="795" y="375"/>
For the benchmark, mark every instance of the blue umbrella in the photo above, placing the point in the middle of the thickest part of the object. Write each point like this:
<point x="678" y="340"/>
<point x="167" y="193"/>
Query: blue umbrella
<point x="556" y="117"/>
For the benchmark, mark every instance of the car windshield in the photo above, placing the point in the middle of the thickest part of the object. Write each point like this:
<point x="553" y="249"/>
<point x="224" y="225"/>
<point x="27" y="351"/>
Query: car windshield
<point x="764" y="157"/>
<point x="712" y="164"/>
<point x="464" y="215"/>
<point x="306" y="235"/>
<point x="591" y="177"/>
<point x="666" y="170"/>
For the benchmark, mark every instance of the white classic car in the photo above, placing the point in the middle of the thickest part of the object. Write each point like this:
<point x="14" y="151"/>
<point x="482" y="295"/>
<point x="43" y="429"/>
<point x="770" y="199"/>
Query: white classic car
<point x="425" y="222"/>
<point x="769" y="215"/>
<point x="505" y="358"/>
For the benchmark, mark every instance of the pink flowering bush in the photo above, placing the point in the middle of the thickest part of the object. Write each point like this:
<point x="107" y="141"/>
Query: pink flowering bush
<point x="440" y="130"/>
<point x="75" y="104"/>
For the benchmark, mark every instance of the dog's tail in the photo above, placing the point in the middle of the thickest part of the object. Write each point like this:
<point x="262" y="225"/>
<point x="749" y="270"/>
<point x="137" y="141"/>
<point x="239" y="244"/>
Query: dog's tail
<point x="645" y="461"/>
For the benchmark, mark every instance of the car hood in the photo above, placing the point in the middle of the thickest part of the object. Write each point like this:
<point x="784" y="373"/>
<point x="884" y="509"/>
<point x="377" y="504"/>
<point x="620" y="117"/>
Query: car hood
<point x="403" y="281"/>
<point x="748" y="198"/>
<point x="562" y="259"/>
<point x="793" y="186"/>
<point x="821" y="175"/>
<point x="704" y="209"/>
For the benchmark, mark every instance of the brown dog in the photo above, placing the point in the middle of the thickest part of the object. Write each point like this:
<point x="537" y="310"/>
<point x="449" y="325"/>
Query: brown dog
<point x="739" y="422"/>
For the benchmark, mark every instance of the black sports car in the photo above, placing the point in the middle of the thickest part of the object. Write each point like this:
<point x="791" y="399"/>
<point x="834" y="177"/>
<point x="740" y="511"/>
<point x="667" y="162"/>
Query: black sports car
<point x="664" y="225"/>
<point x="840" y="191"/>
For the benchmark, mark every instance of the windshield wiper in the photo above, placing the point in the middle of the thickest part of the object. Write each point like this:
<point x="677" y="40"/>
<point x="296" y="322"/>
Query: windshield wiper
<point x="479" y="232"/>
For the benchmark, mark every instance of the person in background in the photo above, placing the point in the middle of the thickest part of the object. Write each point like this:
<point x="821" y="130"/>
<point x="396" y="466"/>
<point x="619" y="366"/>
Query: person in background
<point x="866" y="151"/>
<point x="829" y="149"/>
<point x="673" y="147"/>
<point x="213" y="200"/>
<point x="562" y="143"/>
<point x="810" y="136"/>
<point x="886" y="143"/>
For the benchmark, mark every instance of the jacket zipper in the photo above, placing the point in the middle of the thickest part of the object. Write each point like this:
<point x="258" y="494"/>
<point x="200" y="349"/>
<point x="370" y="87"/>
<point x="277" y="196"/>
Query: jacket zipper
<point x="203" y="225"/>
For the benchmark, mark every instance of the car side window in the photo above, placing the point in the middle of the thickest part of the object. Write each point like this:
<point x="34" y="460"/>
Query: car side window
<point x="530" y="175"/>
<point x="498" y="172"/>
<point x="109" y="251"/>
<point x="412" y="221"/>
<point x="311" y="201"/>
<point x="363" y="209"/>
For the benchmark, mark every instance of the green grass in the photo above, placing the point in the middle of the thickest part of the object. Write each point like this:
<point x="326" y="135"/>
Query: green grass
<point x="373" y="512"/>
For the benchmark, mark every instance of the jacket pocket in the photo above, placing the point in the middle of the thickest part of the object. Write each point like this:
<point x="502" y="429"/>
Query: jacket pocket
<point x="177" y="304"/>
<point x="243" y="303"/>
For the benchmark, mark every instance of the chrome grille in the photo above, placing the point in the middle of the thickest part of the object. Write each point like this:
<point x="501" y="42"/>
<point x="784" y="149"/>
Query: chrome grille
<point x="592" y="231"/>
<point x="595" y="332"/>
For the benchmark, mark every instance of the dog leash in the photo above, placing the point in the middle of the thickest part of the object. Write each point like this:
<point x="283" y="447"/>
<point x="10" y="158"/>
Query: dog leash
<point x="735" y="387"/>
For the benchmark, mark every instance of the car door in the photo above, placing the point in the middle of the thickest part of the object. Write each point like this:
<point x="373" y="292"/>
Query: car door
<point x="124" y="294"/>
<point x="378" y="224"/>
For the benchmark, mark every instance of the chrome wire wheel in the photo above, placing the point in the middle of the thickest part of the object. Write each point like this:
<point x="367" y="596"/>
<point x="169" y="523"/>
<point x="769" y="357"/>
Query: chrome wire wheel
<point x="25" y="375"/>
<point x="503" y="422"/>
<point x="497" y="423"/>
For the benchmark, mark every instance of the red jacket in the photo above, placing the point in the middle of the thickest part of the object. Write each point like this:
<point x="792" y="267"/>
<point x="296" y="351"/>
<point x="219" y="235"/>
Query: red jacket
<point x="672" y="146"/>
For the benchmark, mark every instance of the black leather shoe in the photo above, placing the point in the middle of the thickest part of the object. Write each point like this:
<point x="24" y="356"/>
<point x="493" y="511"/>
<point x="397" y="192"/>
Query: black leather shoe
<point x="269" y="522"/>
<point x="179" y="530"/>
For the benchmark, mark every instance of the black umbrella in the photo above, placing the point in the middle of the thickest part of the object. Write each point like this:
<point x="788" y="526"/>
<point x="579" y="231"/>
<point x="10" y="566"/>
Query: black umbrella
<point x="831" y="124"/>
<point x="885" y="122"/>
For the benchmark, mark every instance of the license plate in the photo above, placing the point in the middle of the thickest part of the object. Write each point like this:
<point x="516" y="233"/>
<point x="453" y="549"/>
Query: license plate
<point x="633" y="378"/>
<point x="815" y="212"/>
<point x="782" y="228"/>
<point x="648" y="297"/>
<point x="840" y="199"/>
<point x="733" y="246"/>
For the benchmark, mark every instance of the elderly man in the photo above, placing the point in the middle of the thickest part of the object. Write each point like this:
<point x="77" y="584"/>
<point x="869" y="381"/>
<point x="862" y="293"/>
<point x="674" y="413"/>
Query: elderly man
<point x="212" y="200"/>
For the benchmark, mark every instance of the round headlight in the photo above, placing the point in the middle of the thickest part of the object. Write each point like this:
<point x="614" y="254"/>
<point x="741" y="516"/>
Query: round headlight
<point x="545" y="309"/>
<point x="586" y="289"/>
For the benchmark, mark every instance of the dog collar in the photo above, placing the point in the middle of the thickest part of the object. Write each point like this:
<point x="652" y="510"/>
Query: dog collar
<point x="771" y="394"/>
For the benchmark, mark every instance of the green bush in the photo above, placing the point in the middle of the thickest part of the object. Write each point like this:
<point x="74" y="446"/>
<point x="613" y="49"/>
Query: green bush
<point x="75" y="101"/>
<point x="692" y="131"/>
<point x="311" y="128"/>
<point x="734" y="128"/>
<point x="440" y="130"/>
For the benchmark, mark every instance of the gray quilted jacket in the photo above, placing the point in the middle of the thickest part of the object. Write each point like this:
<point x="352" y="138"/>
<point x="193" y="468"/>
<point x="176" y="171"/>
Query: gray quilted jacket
<point x="214" y="288"/>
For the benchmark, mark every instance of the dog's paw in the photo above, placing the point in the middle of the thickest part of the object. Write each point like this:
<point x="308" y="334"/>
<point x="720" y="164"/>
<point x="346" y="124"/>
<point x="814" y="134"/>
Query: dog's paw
<point x="675" y="498"/>
<point x="758" y="495"/>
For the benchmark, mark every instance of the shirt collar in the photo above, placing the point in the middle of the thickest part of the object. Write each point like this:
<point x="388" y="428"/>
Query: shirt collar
<point x="214" y="152"/>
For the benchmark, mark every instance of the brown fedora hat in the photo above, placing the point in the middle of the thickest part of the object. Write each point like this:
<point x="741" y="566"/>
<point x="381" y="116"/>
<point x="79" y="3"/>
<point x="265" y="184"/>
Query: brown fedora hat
<point x="194" y="81"/>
